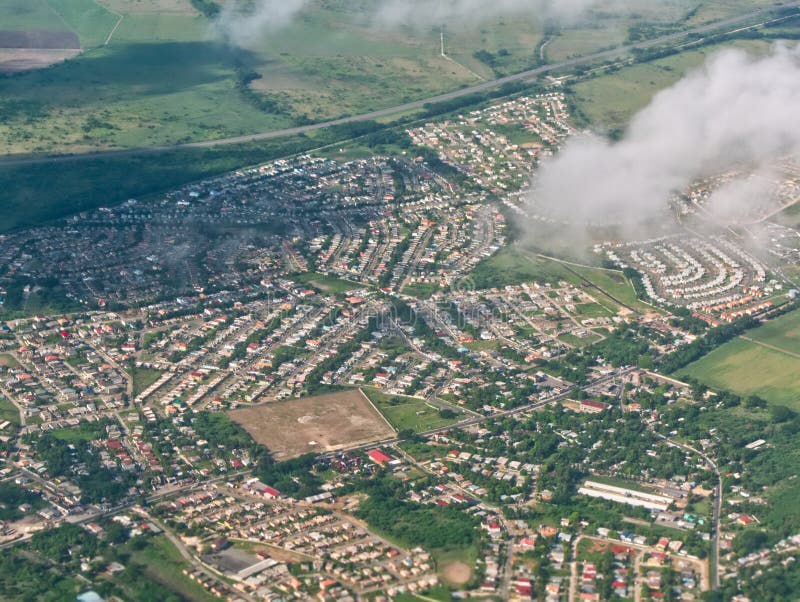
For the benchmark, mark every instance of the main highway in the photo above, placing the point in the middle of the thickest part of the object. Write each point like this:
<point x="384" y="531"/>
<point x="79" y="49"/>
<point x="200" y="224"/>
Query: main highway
<point x="717" y="28"/>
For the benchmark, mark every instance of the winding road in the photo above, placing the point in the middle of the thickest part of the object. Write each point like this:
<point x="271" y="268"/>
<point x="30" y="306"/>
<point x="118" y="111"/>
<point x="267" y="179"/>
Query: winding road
<point x="612" y="53"/>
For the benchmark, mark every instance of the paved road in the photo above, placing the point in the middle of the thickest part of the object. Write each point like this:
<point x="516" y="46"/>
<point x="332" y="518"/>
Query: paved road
<point x="716" y="509"/>
<point x="602" y="55"/>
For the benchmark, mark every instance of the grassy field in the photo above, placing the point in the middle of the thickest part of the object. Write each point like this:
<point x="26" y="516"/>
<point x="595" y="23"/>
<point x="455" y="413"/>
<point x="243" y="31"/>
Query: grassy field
<point x="326" y="283"/>
<point x="8" y="411"/>
<point x="615" y="284"/>
<point x="163" y="564"/>
<point x="143" y="378"/>
<point x="593" y="310"/>
<point x="420" y="290"/>
<point x="749" y="368"/>
<point x="86" y="431"/>
<point x="153" y="72"/>
<point x="509" y="266"/>
<point x="782" y="332"/>
<point x="408" y="412"/>
<point x="575" y="341"/>
<point x="609" y="101"/>
<point x="160" y="78"/>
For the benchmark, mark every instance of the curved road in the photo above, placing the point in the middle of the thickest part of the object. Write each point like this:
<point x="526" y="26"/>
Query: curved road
<point x="716" y="509"/>
<point x="417" y="104"/>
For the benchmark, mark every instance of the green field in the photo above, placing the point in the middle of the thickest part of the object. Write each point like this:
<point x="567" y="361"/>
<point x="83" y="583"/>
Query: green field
<point x="615" y="284"/>
<point x="782" y="332"/>
<point x="748" y="368"/>
<point x="153" y="72"/>
<point x="407" y="412"/>
<point x="420" y="290"/>
<point x="163" y="563"/>
<point x="143" y="378"/>
<point x="575" y="341"/>
<point x="593" y="310"/>
<point x="326" y="283"/>
<point x="510" y="266"/>
<point x="8" y="411"/>
<point x="609" y="101"/>
<point x="29" y="14"/>
<point x="86" y="431"/>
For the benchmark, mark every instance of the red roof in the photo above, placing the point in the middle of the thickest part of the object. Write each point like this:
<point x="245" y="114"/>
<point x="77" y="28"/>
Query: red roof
<point x="595" y="404"/>
<point x="270" y="491"/>
<point x="378" y="457"/>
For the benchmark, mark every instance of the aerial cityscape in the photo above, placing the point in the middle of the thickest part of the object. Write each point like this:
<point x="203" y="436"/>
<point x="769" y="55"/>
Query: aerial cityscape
<point x="399" y="300"/>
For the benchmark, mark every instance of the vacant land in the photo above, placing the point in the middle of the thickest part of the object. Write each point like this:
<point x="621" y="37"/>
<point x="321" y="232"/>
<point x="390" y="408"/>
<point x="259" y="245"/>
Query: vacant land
<point x="615" y="284"/>
<point x="609" y="101"/>
<point x="143" y="378"/>
<point x="8" y="411"/>
<point x="326" y="283"/>
<point x="782" y="332"/>
<point x="14" y="60"/>
<point x="163" y="563"/>
<point x="408" y="412"/>
<point x="748" y="368"/>
<point x="313" y="424"/>
<point x="511" y="266"/>
<point x="153" y="72"/>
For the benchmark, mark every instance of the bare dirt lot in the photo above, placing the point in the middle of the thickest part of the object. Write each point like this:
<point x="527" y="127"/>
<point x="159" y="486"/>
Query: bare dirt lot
<point x="39" y="39"/>
<point x="14" y="60"/>
<point x="457" y="573"/>
<point x="313" y="424"/>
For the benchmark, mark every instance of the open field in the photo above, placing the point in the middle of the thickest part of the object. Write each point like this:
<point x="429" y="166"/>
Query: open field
<point x="313" y="424"/>
<point x="163" y="563"/>
<point x="782" y="332"/>
<point x="154" y="73"/>
<point x="8" y="361"/>
<point x="748" y="368"/>
<point x="615" y="284"/>
<point x="8" y="411"/>
<point x="143" y="378"/>
<point x="455" y="565"/>
<point x="326" y="283"/>
<point x="13" y="60"/>
<point x="510" y="266"/>
<point x="609" y="101"/>
<point x="408" y="412"/>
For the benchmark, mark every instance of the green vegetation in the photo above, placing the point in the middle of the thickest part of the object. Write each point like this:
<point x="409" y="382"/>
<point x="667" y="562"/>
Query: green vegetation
<point x="608" y="101"/>
<point x="143" y="378"/>
<point x="12" y="497"/>
<point x="326" y="283"/>
<point x="593" y="310"/>
<point x="44" y="568"/>
<point x="161" y="563"/>
<point x="616" y="284"/>
<point x="435" y="528"/>
<point x="8" y="411"/>
<point x="783" y="332"/>
<point x="511" y="266"/>
<point x="85" y="431"/>
<point x="409" y="412"/>
<point x="749" y="368"/>
<point x="420" y="290"/>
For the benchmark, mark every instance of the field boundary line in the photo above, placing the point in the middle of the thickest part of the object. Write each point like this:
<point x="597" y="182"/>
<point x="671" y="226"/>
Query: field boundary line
<point x="770" y="346"/>
<point x="374" y="407"/>
<point x="111" y="33"/>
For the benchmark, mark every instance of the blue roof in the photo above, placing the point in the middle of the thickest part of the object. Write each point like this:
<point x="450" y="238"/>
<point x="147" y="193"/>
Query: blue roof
<point x="90" y="596"/>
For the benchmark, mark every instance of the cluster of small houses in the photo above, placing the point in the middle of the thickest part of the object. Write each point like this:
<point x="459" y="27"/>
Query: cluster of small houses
<point x="697" y="274"/>
<point x="342" y="550"/>
<point x="477" y="145"/>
